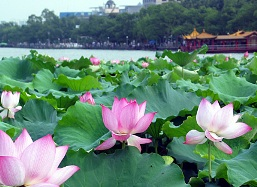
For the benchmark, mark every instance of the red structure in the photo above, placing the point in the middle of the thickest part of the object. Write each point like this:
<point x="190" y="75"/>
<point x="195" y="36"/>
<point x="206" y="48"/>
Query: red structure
<point x="240" y="41"/>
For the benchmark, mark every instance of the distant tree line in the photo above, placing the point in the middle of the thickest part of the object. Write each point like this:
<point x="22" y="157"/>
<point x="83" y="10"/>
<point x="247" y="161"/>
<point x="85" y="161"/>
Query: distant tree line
<point x="161" y="23"/>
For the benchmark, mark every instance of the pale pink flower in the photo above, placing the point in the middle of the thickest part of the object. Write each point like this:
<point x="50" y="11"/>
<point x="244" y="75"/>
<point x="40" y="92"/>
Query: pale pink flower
<point x="227" y="58"/>
<point x="115" y="61"/>
<point x="246" y="54"/>
<point x="87" y="97"/>
<point x="95" y="61"/>
<point x="9" y="104"/>
<point x="35" y="164"/>
<point x="124" y="120"/>
<point x="63" y="59"/>
<point x="217" y="123"/>
<point x="145" y="64"/>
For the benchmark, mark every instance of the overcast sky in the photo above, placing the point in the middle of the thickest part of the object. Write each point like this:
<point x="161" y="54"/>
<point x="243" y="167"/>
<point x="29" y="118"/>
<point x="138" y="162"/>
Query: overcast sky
<point x="20" y="10"/>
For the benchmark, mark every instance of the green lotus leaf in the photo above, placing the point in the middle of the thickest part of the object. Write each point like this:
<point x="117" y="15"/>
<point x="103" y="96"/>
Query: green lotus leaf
<point x="125" y="167"/>
<point x="78" y="84"/>
<point x="240" y="170"/>
<point x="20" y="70"/>
<point x="81" y="127"/>
<point x="10" y="82"/>
<point x="183" y="58"/>
<point x="231" y="88"/>
<point x="177" y="131"/>
<point x="43" y="81"/>
<point x="164" y="100"/>
<point x="38" y="117"/>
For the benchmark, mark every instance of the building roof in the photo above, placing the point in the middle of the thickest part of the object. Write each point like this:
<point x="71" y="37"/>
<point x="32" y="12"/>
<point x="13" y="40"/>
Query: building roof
<point x="204" y="35"/>
<point x="236" y="35"/>
<point x="197" y="35"/>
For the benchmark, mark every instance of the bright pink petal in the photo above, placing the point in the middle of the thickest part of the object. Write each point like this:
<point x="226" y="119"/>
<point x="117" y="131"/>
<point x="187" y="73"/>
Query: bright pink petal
<point x="38" y="158"/>
<point x="129" y="116"/>
<point x="222" y="119"/>
<point x="23" y="141"/>
<point x="44" y="185"/>
<point x="205" y="113"/>
<point x="223" y="147"/>
<point x="107" y="144"/>
<point x="195" y="137"/>
<point x="62" y="174"/>
<point x="143" y="124"/>
<point x="12" y="171"/>
<point x="120" y="137"/>
<point x="7" y="147"/>
<point x="59" y="155"/>
<point x="109" y="119"/>
<point x="212" y="136"/>
<point x="136" y="141"/>
<point x="118" y="105"/>
<point x="235" y="130"/>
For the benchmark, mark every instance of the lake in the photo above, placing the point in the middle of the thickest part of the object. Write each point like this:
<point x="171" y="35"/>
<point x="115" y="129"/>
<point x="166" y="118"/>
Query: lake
<point x="101" y="54"/>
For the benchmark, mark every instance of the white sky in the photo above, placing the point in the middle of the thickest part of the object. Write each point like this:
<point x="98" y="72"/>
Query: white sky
<point x="20" y="10"/>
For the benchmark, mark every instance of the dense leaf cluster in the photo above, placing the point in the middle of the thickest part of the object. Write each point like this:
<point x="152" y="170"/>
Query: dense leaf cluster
<point x="173" y="85"/>
<point x="162" y="22"/>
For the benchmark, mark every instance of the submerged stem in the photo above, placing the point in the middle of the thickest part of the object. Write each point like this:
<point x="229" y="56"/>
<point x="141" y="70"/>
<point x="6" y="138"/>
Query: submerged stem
<point x="123" y="144"/>
<point x="209" y="157"/>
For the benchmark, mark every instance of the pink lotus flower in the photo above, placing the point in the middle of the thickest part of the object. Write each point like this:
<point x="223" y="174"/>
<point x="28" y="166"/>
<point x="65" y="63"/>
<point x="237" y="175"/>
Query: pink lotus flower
<point x="9" y="104"/>
<point x="246" y="54"/>
<point x="87" y="97"/>
<point x="64" y="59"/>
<point x="95" y="61"/>
<point x="217" y="123"/>
<point x="145" y="64"/>
<point x="35" y="164"/>
<point x="124" y="120"/>
<point x="227" y="58"/>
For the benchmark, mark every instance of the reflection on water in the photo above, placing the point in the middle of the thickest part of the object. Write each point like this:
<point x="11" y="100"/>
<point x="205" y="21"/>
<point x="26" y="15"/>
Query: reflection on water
<point x="101" y="54"/>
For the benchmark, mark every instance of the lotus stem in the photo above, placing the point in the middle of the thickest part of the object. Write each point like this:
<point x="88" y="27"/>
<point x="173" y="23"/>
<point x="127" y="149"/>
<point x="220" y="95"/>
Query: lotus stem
<point x="209" y="157"/>
<point x="123" y="145"/>
<point x="156" y="146"/>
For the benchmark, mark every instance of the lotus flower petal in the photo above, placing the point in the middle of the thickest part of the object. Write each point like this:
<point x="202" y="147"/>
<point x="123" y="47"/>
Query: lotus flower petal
<point x="120" y="137"/>
<point x="212" y="136"/>
<point x="136" y="141"/>
<point x="107" y="144"/>
<point x="38" y="159"/>
<point x="205" y="113"/>
<point x="12" y="171"/>
<point x="223" y="147"/>
<point x="4" y="113"/>
<point x="222" y="119"/>
<point x="195" y="137"/>
<point x="59" y="155"/>
<point x="143" y="124"/>
<point x="235" y="130"/>
<point x="62" y="174"/>
<point x="118" y="105"/>
<point x="87" y="97"/>
<point x="23" y="141"/>
<point x="109" y="119"/>
<point x="7" y="147"/>
<point x="128" y="117"/>
<point x="142" y="107"/>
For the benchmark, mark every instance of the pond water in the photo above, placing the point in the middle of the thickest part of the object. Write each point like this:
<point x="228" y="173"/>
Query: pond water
<point x="101" y="54"/>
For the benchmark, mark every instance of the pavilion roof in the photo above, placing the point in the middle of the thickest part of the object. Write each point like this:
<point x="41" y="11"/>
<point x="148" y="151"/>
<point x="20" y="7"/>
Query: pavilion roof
<point x="197" y="35"/>
<point x="236" y="35"/>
